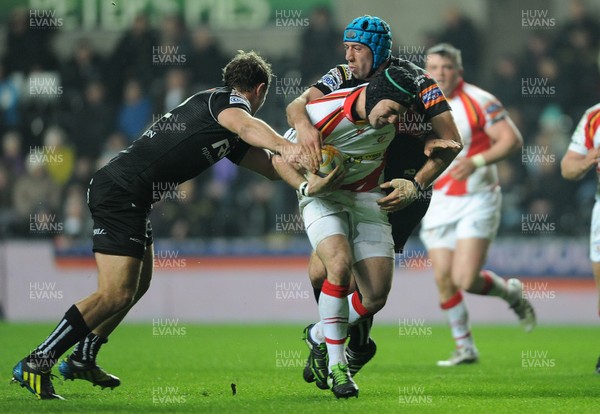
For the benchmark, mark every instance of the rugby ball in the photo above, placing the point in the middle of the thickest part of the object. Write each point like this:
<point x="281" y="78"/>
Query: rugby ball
<point x="332" y="157"/>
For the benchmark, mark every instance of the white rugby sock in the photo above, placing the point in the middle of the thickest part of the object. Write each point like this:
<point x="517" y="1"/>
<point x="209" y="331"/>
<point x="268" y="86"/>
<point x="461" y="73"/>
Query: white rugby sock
<point x="458" y="317"/>
<point x="333" y="309"/>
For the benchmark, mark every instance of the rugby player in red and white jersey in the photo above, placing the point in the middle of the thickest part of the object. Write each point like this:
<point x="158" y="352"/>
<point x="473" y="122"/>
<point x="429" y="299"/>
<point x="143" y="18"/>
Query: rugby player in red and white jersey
<point x="368" y="44"/>
<point x="464" y="213"/>
<point x="582" y="156"/>
<point x="349" y="232"/>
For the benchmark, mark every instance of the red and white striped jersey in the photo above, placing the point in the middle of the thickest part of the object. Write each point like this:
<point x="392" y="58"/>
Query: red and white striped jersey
<point x="587" y="136"/>
<point x="474" y="110"/>
<point x="364" y="147"/>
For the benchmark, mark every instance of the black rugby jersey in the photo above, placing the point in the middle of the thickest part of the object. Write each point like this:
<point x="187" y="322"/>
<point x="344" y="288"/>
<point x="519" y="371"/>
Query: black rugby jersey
<point x="179" y="146"/>
<point x="430" y="103"/>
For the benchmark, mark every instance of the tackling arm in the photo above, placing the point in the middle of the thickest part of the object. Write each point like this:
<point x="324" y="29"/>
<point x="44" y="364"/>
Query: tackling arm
<point x="441" y="150"/>
<point x="315" y="184"/>
<point x="308" y="136"/>
<point x="259" y="161"/>
<point x="259" y="134"/>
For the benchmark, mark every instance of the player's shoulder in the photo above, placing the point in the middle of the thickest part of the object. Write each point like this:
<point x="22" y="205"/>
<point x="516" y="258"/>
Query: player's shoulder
<point x="225" y="97"/>
<point x="420" y="77"/>
<point x="478" y="94"/>
<point x="592" y="111"/>
<point x="338" y="77"/>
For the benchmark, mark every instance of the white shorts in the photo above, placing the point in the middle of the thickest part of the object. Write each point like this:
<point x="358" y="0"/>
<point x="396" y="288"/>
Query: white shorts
<point x="452" y="218"/>
<point x="354" y="215"/>
<point x="595" y="234"/>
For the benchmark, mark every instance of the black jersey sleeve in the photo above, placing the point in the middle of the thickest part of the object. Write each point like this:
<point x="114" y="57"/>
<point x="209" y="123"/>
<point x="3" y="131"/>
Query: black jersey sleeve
<point x="218" y="102"/>
<point x="430" y="99"/>
<point x="337" y="78"/>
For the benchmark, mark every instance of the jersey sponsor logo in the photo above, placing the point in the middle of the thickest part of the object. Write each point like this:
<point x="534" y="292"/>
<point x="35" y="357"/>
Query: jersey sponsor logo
<point x="330" y="81"/>
<point x="493" y="110"/>
<point x="374" y="156"/>
<point x="431" y="96"/>
<point x="133" y="239"/>
<point x="237" y="98"/>
<point x="98" y="232"/>
<point x="339" y="77"/>
<point x="346" y="73"/>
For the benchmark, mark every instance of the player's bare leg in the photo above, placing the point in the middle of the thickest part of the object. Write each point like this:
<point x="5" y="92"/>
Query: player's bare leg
<point x="118" y="278"/>
<point x="469" y="258"/>
<point x="374" y="281"/>
<point x="455" y="309"/>
<point x="81" y="364"/>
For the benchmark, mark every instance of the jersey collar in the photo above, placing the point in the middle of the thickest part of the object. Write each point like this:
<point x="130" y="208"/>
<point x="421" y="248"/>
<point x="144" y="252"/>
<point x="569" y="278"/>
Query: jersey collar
<point x="458" y="89"/>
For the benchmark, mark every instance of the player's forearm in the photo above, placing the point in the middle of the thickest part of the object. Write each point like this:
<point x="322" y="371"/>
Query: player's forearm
<point x="434" y="167"/>
<point x="287" y="172"/>
<point x="258" y="134"/>
<point x="506" y="140"/>
<point x="574" y="169"/>
<point x="296" y="113"/>
<point x="502" y="149"/>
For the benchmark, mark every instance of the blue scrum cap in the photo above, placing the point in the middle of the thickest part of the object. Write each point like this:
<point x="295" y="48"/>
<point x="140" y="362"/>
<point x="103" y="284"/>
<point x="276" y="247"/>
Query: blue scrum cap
<point x="374" y="33"/>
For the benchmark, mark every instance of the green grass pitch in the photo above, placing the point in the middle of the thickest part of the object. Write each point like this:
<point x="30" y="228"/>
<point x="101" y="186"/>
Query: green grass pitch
<point x="191" y="368"/>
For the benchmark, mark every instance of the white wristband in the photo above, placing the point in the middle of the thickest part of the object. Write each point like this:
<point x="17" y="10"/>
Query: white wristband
<point x="478" y="160"/>
<point x="303" y="189"/>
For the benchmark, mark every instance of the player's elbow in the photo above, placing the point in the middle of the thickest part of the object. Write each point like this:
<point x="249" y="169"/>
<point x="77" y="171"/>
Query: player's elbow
<point x="292" y="109"/>
<point x="568" y="172"/>
<point x="517" y="142"/>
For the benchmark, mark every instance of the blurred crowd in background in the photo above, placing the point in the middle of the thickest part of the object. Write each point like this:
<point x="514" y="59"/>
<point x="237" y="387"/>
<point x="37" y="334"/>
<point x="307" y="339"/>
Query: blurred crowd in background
<point x="84" y="109"/>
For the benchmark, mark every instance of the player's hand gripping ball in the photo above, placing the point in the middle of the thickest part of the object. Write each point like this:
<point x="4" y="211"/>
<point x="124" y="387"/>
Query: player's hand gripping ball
<point x="332" y="157"/>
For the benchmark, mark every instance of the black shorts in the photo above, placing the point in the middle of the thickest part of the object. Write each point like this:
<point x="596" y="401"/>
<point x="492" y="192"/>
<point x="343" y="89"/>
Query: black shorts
<point x="121" y="224"/>
<point x="406" y="220"/>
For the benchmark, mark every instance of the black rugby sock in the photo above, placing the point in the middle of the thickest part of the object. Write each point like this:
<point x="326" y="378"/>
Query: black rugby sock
<point x="68" y="332"/>
<point x="87" y="349"/>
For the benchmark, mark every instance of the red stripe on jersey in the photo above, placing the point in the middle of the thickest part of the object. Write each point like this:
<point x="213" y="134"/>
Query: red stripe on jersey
<point x="319" y="125"/>
<point x="330" y="97"/>
<point x="335" y="341"/>
<point x="442" y="181"/>
<point x="367" y="183"/>
<point x="592" y="126"/>
<point x="334" y="122"/>
<point x="480" y="142"/>
<point x="348" y="105"/>
<point x="474" y="113"/>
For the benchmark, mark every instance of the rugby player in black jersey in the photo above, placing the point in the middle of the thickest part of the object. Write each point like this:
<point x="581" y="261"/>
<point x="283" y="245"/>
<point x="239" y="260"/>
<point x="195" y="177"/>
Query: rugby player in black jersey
<point x="219" y="123"/>
<point x="368" y="41"/>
